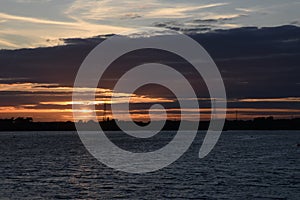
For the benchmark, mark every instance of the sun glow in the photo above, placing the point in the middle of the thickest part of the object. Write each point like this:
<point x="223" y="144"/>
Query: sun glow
<point x="58" y="106"/>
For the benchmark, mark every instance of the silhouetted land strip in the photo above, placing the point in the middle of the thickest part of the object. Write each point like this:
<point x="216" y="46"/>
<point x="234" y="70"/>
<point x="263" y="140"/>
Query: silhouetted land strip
<point x="27" y="124"/>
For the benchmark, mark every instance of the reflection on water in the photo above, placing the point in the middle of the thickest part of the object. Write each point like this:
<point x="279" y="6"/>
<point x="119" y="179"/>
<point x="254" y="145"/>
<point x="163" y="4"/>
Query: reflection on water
<point x="39" y="165"/>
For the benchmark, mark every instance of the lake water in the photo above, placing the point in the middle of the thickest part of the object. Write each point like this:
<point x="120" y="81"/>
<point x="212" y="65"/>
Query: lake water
<point x="243" y="165"/>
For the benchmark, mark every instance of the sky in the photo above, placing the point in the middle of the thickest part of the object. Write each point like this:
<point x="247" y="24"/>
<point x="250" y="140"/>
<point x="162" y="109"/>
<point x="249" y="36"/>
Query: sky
<point x="35" y="23"/>
<point x="255" y="44"/>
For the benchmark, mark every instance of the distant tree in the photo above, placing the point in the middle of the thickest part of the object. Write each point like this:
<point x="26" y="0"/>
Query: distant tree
<point x="21" y="120"/>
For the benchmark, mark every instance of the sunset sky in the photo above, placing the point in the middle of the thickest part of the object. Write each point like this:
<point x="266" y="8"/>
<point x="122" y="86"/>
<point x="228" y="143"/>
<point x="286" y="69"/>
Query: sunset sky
<point x="255" y="44"/>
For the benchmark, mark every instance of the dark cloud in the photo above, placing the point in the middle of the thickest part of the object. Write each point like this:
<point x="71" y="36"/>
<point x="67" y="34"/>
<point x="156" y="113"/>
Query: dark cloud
<point x="132" y="16"/>
<point x="85" y="41"/>
<point x="176" y="26"/>
<point x="218" y="20"/>
<point x="199" y="25"/>
<point x="205" y="21"/>
<point x="46" y="65"/>
<point x="254" y="62"/>
<point x="296" y="22"/>
<point x="257" y="61"/>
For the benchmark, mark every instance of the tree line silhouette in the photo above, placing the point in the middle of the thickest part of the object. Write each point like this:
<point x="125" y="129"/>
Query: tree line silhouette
<point x="262" y="123"/>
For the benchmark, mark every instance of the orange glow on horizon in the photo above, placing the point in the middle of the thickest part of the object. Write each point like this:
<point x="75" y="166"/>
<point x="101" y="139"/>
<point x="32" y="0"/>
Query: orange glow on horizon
<point x="56" y="109"/>
<point x="142" y="115"/>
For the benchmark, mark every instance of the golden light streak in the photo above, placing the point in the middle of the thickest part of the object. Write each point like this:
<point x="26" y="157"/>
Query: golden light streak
<point x="34" y="20"/>
<point x="53" y="30"/>
<point x="7" y="43"/>
<point x="142" y="115"/>
<point x="134" y="99"/>
<point x="224" y="16"/>
<point x="50" y="88"/>
<point x="103" y="96"/>
<point x="180" y="11"/>
<point x="287" y="99"/>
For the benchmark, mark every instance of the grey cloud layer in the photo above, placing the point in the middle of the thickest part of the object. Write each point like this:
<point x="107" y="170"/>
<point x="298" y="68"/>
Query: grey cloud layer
<point x="254" y="62"/>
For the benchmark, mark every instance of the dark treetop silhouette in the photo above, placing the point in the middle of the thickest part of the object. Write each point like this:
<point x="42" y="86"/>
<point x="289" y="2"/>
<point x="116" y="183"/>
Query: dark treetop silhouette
<point x="269" y="123"/>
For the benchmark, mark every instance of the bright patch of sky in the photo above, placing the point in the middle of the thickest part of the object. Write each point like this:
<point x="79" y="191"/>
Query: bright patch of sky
<point x="35" y="23"/>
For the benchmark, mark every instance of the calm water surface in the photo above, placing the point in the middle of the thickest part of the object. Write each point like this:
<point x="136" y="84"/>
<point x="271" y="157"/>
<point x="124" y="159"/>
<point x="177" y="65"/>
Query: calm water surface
<point x="243" y="165"/>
